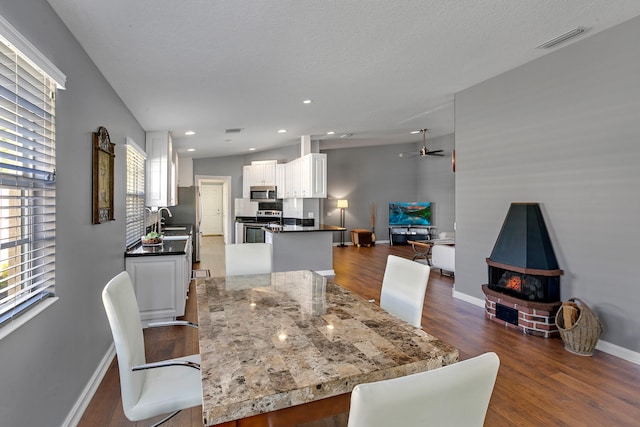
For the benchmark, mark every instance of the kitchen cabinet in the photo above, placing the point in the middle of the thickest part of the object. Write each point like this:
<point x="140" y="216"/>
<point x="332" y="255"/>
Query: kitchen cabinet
<point x="313" y="176"/>
<point x="281" y="180"/>
<point x="292" y="179"/>
<point x="260" y="172"/>
<point x="161" y="284"/>
<point x="161" y="178"/>
<point x="306" y="177"/>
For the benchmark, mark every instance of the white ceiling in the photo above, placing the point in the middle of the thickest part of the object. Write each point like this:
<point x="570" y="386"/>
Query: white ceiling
<point x="375" y="69"/>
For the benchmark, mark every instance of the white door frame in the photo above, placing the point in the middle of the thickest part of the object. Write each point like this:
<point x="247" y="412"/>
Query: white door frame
<point x="226" y="201"/>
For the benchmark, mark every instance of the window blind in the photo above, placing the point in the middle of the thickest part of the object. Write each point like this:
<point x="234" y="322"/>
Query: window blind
<point x="134" y="203"/>
<point x="27" y="184"/>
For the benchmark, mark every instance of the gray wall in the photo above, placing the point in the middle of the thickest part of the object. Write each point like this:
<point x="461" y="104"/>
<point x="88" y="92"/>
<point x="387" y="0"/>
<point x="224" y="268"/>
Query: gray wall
<point x="436" y="183"/>
<point x="562" y="131"/>
<point x="46" y="363"/>
<point x="377" y="175"/>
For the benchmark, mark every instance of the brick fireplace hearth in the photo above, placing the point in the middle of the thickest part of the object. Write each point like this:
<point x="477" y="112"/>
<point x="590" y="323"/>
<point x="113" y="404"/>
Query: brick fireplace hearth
<point x="531" y="318"/>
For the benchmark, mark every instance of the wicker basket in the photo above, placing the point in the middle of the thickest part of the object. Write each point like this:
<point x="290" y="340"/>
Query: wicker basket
<point x="582" y="337"/>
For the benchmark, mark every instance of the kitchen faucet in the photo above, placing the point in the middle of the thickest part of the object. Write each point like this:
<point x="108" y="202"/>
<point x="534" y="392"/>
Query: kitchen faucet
<point x="160" y="218"/>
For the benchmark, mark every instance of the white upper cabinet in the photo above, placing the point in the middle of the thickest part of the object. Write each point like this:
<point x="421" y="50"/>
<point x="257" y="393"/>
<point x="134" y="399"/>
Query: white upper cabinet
<point x="313" y="176"/>
<point x="281" y="179"/>
<point x="301" y="178"/>
<point x="161" y="179"/>
<point x="261" y="172"/>
<point x="292" y="179"/>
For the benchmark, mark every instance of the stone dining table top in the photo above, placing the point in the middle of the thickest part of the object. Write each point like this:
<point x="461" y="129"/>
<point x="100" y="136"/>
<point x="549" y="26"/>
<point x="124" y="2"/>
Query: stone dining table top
<point x="272" y="341"/>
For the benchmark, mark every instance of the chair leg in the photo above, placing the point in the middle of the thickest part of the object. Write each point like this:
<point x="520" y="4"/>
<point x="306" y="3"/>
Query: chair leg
<point x="165" y="419"/>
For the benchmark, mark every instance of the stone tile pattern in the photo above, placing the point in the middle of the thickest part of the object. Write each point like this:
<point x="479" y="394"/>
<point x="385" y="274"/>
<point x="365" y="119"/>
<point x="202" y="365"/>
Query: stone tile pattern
<point x="282" y="339"/>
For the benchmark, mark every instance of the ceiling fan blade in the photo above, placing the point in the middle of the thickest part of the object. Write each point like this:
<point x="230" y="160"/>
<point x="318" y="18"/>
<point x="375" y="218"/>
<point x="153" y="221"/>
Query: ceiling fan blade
<point x="433" y="153"/>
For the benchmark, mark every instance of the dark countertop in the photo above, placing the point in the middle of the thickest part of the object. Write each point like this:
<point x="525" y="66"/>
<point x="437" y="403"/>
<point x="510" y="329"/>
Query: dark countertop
<point x="300" y="228"/>
<point x="168" y="247"/>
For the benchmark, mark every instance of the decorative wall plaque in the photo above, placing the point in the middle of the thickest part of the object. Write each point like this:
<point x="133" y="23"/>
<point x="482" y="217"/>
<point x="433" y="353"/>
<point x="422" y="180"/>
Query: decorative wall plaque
<point x="103" y="155"/>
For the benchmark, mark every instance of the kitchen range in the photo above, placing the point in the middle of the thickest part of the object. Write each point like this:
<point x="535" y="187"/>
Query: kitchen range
<point x="250" y="229"/>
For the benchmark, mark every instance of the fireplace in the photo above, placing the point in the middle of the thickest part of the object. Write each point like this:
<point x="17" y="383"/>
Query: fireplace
<point x="523" y="289"/>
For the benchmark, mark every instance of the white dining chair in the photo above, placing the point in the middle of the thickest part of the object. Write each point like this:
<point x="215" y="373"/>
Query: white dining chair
<point x="148" y="389"/>
<point x="454" y="395"/>
<point x="403" y="288"/>
<point x="247" y="258"/>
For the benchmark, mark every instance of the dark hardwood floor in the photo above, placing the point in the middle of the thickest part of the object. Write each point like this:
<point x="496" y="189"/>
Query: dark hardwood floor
<point x="539" y="383"/>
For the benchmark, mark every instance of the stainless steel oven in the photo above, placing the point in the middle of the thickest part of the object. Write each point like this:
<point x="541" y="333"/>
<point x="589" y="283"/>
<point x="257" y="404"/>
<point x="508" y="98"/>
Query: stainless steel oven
<point x="253" y="231"/>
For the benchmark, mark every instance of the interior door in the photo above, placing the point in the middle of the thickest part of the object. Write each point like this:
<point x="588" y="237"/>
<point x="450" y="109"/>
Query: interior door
<point x="211" y="198"/>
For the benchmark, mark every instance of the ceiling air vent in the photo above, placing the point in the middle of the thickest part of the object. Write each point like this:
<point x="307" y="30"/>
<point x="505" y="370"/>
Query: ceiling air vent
<point x="562" y="38"/>
<point x="234" y="130"/>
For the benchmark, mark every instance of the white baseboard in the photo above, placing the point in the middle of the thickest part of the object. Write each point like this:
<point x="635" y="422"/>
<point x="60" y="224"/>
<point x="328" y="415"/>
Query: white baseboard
<point x="467" y="298"/>
<point x="621" y="352"/>
<point x="606" y="347"/>
<point x="73" y="418"/>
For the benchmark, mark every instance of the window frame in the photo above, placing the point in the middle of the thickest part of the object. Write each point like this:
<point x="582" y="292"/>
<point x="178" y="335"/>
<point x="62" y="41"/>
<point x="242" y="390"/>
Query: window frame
<point x="135" y="195"/>
<point x="28" y="85"/>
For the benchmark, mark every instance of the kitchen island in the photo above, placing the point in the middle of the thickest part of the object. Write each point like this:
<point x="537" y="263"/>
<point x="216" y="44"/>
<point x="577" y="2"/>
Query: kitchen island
<point x="296" y="247"/>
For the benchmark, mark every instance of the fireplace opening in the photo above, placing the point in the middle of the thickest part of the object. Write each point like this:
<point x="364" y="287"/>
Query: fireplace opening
<point x="530" y="287"/>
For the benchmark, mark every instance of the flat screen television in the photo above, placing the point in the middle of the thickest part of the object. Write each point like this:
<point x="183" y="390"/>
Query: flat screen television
<point x="409" y="213"/>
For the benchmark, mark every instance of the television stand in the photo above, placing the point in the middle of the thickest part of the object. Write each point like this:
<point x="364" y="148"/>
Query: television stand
<point x="399" y="234"/>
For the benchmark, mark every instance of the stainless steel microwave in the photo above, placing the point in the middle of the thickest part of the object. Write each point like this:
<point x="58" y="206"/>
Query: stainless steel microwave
<point x="263" y="193"/>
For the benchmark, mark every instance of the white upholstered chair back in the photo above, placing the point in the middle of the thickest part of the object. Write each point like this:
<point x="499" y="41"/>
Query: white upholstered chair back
<point x="403" y="288"/>
<point x="124" y="317"/>
<point x="152" y="392"/>
<point x="247" y="258"/>
<point x="454" y="395"/>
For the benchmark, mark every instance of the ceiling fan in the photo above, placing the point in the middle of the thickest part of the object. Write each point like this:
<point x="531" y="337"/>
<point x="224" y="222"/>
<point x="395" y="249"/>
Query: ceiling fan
<point x="423" y="151"/>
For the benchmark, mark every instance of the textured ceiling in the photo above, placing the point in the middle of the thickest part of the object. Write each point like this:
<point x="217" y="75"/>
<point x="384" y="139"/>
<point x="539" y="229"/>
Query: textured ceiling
<point x="374" y="69"/>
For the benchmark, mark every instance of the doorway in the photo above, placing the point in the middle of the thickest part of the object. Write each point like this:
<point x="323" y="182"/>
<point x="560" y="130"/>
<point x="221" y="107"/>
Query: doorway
<point x="211" y="201"/>
<point x="214" y="205"/>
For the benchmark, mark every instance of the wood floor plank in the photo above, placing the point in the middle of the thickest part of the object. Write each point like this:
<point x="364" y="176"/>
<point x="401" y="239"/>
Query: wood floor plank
<point x="539" y="382"/>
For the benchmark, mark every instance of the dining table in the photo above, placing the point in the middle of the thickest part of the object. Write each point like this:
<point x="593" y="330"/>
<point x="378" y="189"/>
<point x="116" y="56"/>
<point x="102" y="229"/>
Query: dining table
<point x="286" y="348"/>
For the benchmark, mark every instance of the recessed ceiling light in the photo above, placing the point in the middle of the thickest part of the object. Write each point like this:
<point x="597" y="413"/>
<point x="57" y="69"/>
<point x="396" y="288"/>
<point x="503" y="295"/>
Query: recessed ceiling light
<point x="331" y="132"/>
<point x="282" y="131"/>
<point x="306" y="101"/>
<point x="252" y="149"/>
<point x="189" y="132"/>
<point x="191" y="149"/>
<point x="414" y="132"/>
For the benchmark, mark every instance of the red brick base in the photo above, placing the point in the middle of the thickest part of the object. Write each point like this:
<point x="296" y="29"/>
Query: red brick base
<point x="534" y="318"/>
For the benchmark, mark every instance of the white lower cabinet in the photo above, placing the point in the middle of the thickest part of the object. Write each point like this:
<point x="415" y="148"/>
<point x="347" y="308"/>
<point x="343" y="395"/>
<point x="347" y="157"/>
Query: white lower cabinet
<point x="161" y="284"/>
